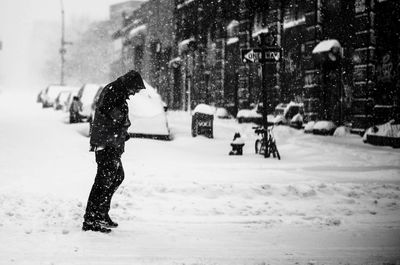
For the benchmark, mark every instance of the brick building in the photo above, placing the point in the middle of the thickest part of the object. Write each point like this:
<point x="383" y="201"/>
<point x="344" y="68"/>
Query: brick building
<point x="341" y="58"/>
<point x="118" y="14"/>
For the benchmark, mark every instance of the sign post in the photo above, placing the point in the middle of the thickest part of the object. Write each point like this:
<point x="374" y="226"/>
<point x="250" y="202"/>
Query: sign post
<point x="268" y="54"/>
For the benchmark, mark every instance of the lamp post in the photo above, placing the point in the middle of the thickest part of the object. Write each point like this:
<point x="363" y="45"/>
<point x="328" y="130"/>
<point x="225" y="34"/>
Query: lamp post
<point x="266" y="39"/>
<point x="63" y="50"/>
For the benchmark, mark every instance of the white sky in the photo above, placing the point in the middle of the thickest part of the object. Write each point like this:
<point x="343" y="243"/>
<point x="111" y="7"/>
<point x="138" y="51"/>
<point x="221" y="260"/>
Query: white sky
<point x="16" y="20"/>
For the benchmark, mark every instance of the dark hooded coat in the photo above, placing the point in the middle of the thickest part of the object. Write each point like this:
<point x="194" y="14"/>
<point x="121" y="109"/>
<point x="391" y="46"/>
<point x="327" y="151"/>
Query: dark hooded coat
<point x="111" y="119"/>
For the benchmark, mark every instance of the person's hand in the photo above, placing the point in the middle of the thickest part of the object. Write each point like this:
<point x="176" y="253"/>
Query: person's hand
<point x="127" y="137"/>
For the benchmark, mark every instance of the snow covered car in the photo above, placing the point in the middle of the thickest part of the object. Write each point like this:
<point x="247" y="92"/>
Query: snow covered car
<point x="387" y="134"/>
<point x="50" y="94"/>
<point x="39" y="98"/>
<point x="284" y="113"/>
<point x="62" y="100"/>
<point x="324" y="127"/>
<point x="249" y="115"/>
<point x="86" y="95"/>
<point x="70" y="98"/>
<point x="147" y="115"/>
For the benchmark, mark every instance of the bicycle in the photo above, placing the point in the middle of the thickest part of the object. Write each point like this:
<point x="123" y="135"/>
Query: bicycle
<point x="266" y="144"/>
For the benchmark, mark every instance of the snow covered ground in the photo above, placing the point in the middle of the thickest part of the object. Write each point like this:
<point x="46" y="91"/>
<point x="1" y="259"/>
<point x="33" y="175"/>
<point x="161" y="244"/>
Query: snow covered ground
<point x="330" y="200"/>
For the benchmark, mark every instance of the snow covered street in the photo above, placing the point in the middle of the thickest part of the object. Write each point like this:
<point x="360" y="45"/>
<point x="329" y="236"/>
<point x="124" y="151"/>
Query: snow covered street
<point x="330" y="200"/>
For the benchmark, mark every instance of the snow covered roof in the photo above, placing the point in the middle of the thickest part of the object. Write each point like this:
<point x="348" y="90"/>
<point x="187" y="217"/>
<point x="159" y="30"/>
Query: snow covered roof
<point x="326" y="46"/>
<point x="137" y="30"/>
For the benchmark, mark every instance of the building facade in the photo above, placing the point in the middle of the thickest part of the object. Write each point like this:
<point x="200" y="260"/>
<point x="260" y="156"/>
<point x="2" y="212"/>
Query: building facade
<point x="191" y="51"/>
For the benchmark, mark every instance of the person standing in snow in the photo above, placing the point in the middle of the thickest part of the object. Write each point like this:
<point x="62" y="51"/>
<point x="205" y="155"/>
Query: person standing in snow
<point x="74" y="110"/>
<point x="107" y="140"/>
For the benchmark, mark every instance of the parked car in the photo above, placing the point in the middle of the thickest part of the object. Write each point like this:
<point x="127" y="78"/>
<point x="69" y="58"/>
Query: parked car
<point x="249" y="115"/>
<point x="50" y="95"/>
<point x="86" y="95"/>
<point x="285" y="112"/>
<point x="39" y="98"/>
<point x="61" y="100"/>
<point x="70" y="98"/>
<point x="147" y="115"/>
<point x="94" y="104"/>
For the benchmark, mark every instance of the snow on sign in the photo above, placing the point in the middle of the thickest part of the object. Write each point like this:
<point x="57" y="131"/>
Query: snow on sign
<point x="251" y="55"/>
<point x="264" y="55"/>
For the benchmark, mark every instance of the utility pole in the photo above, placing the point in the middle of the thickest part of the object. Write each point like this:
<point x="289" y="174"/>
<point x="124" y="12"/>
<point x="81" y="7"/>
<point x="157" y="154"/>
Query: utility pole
<point x="63" y="50"/>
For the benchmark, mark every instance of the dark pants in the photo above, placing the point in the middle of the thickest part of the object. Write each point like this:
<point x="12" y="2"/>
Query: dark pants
<point x="110" y="175"/>
<point x="75" y="117"/>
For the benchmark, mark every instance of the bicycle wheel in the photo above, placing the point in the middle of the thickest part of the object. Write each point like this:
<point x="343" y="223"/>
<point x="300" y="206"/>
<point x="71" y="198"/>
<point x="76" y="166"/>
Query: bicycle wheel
<point x="257" y="146"/>
<point x="275" y="151"/>
<point x="267" y="152"/>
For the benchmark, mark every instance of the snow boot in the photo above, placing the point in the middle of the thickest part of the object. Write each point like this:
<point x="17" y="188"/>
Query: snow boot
<point x="107" y="222"/>
<point x="96" y="227"/>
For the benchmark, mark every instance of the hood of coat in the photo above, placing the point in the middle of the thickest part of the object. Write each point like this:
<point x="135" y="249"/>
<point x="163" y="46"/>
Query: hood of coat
<point x="131" y="83"/>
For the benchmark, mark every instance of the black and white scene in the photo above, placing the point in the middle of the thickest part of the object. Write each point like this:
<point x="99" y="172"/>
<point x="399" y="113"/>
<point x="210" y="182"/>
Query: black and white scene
<point x="200" y="132"/>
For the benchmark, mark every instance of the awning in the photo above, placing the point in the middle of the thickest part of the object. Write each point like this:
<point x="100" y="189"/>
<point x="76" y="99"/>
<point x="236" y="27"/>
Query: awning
<point x="294" y="23"/>
<point x="183" y="45"/>
<point x="175" y="62"/>
<point x="233" y="24"/>
<point x="259" y="31"/>
<point x="137" y="30"/>
<point x="121" y="32"/>
<point x="185" y="3"/>
<point x="326" y="46"/>
<point x="232" y="40"/>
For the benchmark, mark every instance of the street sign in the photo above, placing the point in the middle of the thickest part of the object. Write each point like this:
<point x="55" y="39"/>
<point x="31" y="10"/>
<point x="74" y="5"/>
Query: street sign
<point x="264" y="55"/>
<point x="251" y="55"/>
